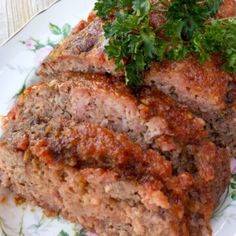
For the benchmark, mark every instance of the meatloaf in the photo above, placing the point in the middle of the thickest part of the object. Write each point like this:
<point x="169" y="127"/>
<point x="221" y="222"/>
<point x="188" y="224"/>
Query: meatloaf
<point x="118" y="164"/>
<point x="206" y="89"/>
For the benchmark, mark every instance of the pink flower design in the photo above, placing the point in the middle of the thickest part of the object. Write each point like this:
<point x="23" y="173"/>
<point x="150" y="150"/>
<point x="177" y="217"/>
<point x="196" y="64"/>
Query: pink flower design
<point x="30" y="44"/>
<point x="233" y="165"/>
<point x="42" y="53"/>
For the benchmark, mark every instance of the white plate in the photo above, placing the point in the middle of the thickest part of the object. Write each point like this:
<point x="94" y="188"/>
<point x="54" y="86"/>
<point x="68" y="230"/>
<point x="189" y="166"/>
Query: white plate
<point x="19" y="57"/>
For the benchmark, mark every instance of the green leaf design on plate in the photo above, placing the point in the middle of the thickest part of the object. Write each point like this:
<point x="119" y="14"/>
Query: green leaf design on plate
<point x="34" y="45"/>
<point x="233" y="187"/>
<point x="233" y="195"/>
<point x="82" y="232"/>
<point x="234" y="177"/>
<point x="66" y="29"/>
<point x="63" y="233"/>
<point x="55" y="29"/>
<point x="51" y="43"/>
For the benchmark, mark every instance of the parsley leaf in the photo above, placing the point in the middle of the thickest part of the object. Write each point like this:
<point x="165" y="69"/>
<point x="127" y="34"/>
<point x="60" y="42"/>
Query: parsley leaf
<point x="104" y="10"/>
<point x="192" y="13"/>
<point x="219" y="36"/>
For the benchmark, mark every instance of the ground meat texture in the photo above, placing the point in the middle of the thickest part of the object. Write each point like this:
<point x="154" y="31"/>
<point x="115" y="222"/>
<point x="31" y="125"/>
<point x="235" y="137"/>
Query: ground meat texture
<point x="66" y="136"/>
<point x="106" y="101"/>
<point x="98" y="199"/>
<point x="227" y="9"/>
<point x="46" y="123"/>
<point x="206" y="89"/>
<point x="151" y="119"/>
<point x="161" y="190"/>
<point x="85" y="145"/>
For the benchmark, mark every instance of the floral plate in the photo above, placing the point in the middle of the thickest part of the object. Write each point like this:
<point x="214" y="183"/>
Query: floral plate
<point x="19" y="58"/>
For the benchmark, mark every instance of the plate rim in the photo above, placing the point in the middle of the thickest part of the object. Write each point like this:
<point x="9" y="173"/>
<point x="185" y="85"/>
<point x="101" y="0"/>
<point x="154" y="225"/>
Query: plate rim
<point x="4" y="43"/>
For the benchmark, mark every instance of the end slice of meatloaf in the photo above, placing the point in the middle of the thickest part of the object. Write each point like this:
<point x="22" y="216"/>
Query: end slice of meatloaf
<point x="90" y="173"/>
<point x="101" y="200"/>
<point x="186" y="145"/>
<point x="205" y="88"/>
<point x="82" y="51"/>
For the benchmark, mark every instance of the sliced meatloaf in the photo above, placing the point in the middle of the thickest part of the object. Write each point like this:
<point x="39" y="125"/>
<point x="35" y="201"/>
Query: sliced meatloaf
<point x="90" y="173"/>
<point x="100" y="178"/>
<point x="150" y="119"/>
<point x="205" y="88"/>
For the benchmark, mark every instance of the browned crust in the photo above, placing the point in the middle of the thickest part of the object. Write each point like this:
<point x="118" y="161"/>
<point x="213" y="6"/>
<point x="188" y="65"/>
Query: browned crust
<point x="186" y="126"/>
<point x="206" y="84"/>
<point x="83" y="47"/>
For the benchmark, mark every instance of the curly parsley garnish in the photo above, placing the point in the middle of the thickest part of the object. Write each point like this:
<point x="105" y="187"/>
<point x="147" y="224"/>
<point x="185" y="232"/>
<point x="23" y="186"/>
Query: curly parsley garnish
<point x="189" y="29"/>
<point x="218" y="36"/>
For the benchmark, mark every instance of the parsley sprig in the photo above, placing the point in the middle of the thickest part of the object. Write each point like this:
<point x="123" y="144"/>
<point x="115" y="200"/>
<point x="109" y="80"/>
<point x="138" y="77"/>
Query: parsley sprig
<point x="192" y="14"/>
<point x="132" y="41"/>
<point x="189" y="29"/>
<point x="219" y="36"/>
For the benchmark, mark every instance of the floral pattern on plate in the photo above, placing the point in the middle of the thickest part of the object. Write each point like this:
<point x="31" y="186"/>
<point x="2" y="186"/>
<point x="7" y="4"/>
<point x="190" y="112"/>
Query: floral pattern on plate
<point x="26" y="220"/>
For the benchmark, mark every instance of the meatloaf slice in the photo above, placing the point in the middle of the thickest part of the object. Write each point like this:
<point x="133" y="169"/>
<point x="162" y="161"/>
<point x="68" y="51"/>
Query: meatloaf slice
<point x="101" y="200"/>
<point x="108" y="103"/>
<point x="85" y="145"/>
<point x="106" y="100"/>
<point x="150" y="118"/>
